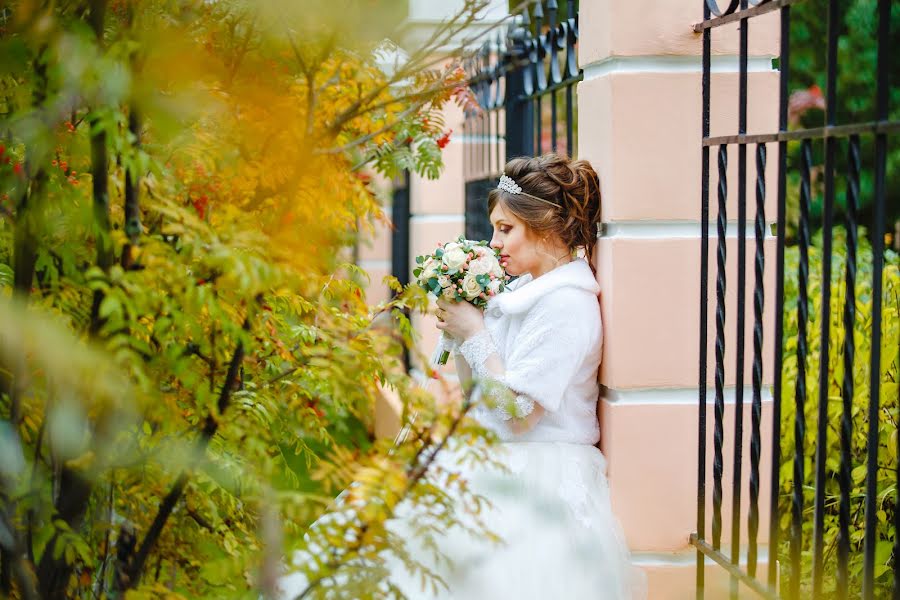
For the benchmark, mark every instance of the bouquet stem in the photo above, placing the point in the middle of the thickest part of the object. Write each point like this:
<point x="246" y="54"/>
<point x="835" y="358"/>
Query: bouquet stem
<point x="445" y="356"/>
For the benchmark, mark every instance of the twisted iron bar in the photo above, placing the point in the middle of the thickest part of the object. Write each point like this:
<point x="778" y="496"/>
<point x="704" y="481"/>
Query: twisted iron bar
<point x="758" y="305"/>
<point x="733" y="5"/>
<point x="802" y="349"/>
<point x="844" y="476"/>
<point x="719" y="434"/>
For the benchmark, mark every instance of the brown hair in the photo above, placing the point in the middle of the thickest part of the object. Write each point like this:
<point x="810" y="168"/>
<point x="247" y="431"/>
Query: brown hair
<point x="570" y="190"/>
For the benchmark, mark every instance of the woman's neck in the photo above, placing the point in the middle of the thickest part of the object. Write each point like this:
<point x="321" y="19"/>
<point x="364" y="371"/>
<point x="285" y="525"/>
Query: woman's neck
<point x="552" y="263"/>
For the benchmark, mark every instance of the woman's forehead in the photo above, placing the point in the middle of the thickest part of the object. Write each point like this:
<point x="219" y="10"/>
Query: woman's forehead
<point x="501" y="214"/>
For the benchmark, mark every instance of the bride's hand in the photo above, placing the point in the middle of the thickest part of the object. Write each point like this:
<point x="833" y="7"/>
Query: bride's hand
<point x="459" y="320"/>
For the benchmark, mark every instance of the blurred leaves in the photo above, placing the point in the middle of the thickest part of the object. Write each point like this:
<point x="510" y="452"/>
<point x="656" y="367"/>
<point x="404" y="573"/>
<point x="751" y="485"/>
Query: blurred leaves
<point x="174" y="421"/>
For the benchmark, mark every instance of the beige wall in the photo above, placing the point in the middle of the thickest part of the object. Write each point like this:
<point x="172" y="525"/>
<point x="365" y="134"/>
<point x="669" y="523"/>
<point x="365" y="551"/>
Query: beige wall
<point x="642" y="82"/>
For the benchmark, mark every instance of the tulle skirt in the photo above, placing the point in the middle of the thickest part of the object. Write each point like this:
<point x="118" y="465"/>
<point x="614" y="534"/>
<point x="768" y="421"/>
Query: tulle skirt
<point x="550" y="508"/>
<point x="558" y="539"/>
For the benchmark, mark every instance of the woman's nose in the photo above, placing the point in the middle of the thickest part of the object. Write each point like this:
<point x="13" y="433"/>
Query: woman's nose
<point x="495" y="243"/>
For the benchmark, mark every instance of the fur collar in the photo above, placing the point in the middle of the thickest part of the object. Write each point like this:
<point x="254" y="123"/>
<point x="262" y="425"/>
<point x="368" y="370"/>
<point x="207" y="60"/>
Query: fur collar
<point x="576" y="274"/>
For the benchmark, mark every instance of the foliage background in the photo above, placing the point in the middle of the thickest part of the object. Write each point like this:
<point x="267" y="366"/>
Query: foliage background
<point x="888" y="411"/>
<point x="188" y="367"/>
<point x="856" y="93"/>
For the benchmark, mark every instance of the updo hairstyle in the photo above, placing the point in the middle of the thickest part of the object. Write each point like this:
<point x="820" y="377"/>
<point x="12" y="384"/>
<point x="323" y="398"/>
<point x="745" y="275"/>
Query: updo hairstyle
<point x="571" y="185"/>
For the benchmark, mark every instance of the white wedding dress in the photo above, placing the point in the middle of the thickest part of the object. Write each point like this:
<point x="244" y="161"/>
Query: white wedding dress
<point x="549" y="502"/>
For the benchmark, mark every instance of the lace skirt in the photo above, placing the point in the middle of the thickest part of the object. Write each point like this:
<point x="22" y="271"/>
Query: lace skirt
<point x="550" y="508"/>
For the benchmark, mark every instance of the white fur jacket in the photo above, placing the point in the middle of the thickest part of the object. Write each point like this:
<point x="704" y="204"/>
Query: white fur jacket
<point x="548" y="333"/>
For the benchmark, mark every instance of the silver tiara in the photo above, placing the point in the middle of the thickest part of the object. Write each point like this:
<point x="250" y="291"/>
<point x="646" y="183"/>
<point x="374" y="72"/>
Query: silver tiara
<point x="508" y="184"/>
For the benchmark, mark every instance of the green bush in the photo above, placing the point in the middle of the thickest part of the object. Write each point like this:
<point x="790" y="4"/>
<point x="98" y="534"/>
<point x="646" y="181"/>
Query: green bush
<point x="887" y="444"/>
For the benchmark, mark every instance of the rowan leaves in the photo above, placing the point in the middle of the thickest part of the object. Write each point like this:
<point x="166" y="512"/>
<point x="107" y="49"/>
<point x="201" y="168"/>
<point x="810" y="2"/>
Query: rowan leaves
<point x="227" y="370"/>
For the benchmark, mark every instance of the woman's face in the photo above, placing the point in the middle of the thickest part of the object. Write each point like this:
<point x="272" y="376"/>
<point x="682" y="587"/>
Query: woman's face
<point x="518" y="251"/>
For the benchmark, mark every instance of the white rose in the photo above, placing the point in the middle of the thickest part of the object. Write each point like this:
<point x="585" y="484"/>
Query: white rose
<point x="496" y="268"/>
<point x="470" y="287"/>
<point x="448" y="293"/>
<point x="454" y="258"/>
<point x="494" y="286"/>
<point x="430" y="269"/>
<point x="451" y="246"/>
<point x="480" y="266"/>
<point x="443" y="281"/>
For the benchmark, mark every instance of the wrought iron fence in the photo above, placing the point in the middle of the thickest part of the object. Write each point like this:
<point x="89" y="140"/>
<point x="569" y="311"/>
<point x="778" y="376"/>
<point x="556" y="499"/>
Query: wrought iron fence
<point x="523" y="81"/>
<point x="809" y="568"/>
<point x="400" y="255"/>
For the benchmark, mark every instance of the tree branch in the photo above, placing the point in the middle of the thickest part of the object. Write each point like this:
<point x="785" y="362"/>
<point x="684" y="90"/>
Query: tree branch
<point x="132" y="194"/>
<point x="415" y="473"/>
<point x="369" y="136"/>
<point x="26" y="234"/>
<point x="135" y="569"/>
<point x="100" y="179"/>
<point x="13" y="561"/>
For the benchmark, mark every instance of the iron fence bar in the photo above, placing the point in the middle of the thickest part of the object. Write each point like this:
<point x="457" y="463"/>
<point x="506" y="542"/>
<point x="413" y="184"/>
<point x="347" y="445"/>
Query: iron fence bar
<point x="553" y="128"/>
<point x="540" y="49"/>
<point x="497" y="146"/>
<point x="488" y="144"/>
<point x="840" y="131"/>
<point x="760" y="8"/>
<point x="540" y="78"/>
<point x="465" y="140"/>
<point x="571" y="37"/>
<point x="718" y="432"/>
<point x="725" y="562"/>
<point x="555" y="87"/>
<point x="704" y="299"/>
<point x="555" y="75"/>
<point x="880" y="200"/>
<point x="800" y="390"/>
<point x="552" y="42"/>
<point x="825" y="314"/>
<point x="756" y="410"/>
<point x="843" y="542"/>
<point x="519" y="112"/>
<point x="400" y="217"/>
<point x="568" y="37"/>
<point x="741" y="306"/>
<point x="485" y="143"/>
<point x="569" y="118"/>
<point x="738" y="453"/>
<point x="528" y="53"/>
<point x="774" y="517"/>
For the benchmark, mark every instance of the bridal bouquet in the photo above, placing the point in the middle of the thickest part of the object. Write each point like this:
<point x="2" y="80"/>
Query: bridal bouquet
<point x="462" y="270"/>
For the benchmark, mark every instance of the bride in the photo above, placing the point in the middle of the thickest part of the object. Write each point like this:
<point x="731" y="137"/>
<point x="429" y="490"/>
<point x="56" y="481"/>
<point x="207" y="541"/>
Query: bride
<point x="534" y="354"/>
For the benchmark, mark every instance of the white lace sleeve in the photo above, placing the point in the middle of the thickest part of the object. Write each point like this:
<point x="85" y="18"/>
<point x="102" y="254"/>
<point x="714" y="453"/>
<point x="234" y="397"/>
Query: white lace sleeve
<point x="476" y="351"/>
<point x="509" y="404"/>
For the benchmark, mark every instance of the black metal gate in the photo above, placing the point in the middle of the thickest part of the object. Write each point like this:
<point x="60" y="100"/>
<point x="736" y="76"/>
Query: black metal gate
<point x="838" y="535"/>
<point x="523" y="81"/>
